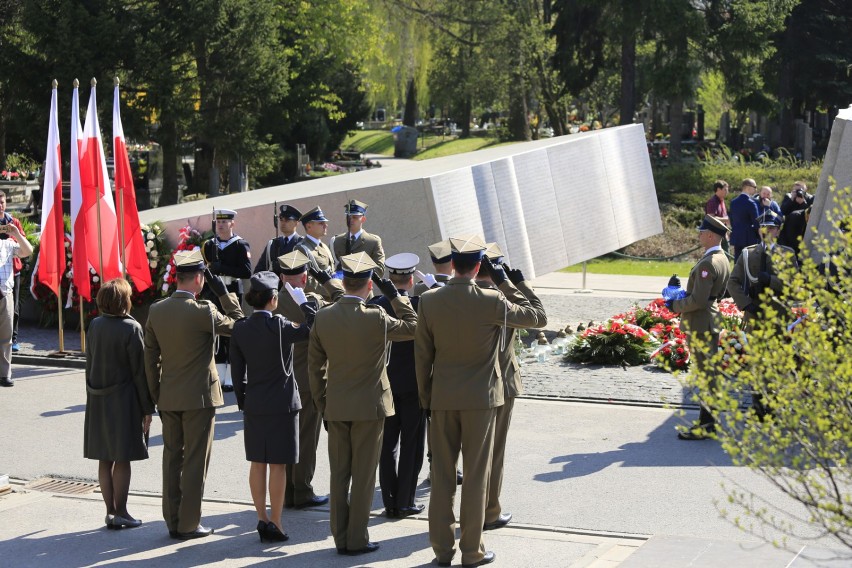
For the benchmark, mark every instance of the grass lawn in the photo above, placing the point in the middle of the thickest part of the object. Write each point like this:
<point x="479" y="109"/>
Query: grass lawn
<point x="370" y="142"/>
<point x="455" y="146"/>
<point x="429" y="146"/>
<point x="631" y="267"/>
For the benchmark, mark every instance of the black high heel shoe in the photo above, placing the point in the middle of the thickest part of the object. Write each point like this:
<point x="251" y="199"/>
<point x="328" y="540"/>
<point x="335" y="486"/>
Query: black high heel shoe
<point x="261" y="529"/>
<point x="274" y="534"/>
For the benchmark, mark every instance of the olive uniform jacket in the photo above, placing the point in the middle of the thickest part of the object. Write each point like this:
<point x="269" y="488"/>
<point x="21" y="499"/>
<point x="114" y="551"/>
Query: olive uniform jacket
<point x="322" y="254"/>
<point x="179" y="341"/>
<point x="366" y="242"/>
<point x="742" y="289"/>
<point x="352" y="337"/>
<point x="458" y="338"/>
<point x="707" y="282"/>
<point x="508" y="361"/>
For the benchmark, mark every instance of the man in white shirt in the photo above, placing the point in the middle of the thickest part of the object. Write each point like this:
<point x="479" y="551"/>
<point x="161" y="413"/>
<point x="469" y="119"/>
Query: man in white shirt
<point x="18" y="246"/>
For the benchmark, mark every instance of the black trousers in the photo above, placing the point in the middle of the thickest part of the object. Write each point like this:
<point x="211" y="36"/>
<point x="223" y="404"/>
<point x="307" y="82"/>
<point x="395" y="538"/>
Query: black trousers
<point x="401" y="458"/>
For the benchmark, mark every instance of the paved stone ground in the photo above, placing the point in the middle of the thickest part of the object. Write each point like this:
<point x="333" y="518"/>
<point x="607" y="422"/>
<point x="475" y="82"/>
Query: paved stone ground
<point x="553" y="379"/>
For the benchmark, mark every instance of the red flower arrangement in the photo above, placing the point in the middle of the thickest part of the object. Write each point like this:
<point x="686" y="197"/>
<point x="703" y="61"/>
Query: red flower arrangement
<point x="732" y="316"/>
<point x="673" y="354"/>
<point x="189" y="238"/>
<point x="612" y="343"/>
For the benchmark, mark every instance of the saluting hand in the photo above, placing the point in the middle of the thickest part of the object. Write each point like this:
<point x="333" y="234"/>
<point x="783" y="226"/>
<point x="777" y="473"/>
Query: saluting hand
<point x="216" y="285"/>
<point x="427" y="279"/>
<point x="320" y="276"/>
<point x="495" y="271"/>
<point x="297" y="294"/>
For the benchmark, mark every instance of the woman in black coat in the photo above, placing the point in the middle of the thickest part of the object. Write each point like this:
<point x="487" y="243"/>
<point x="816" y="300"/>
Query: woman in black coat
<point x="118" y="404"/>
<point x="261" y="346"/>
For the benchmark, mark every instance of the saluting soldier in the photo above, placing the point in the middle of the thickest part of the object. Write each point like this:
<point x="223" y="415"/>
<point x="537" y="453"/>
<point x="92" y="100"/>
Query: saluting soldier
<point x="294" y="267"/>
<point x="755" y="271"/>
<point x="404" y="438"/>
<point x="354" y="394"/>
<point x="356" y="239"/>
<point x="316" y="227"/>
<point x="184" y="384"/>
<point x="228" y="256"/>
<point x="517" y="289"/>
<point x="288" y="220"/>
<point x="459" y="334"/>
<point x="441" y="255"/>
<point x="699" y="313"/>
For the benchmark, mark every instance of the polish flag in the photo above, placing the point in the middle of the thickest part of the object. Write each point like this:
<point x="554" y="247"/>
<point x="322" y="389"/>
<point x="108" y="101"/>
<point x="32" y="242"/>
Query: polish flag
<point x="132" y="243"/>
<point x="51" y="257"/>
<point x="79" y="254"/>
<point x="96" y="218"/>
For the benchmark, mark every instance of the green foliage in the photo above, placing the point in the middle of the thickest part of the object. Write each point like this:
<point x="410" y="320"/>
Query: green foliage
<point x="804" y="375"/>
<point x="712" y="97"/>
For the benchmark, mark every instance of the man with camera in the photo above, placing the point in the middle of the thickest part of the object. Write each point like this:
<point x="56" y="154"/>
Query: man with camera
<point x="13" y="247"/>
<point x="797" y="200"/>
<point x="6" y="219"/>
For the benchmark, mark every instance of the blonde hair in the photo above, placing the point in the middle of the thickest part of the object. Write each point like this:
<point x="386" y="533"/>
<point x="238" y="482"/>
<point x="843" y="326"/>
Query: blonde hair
<point x="114" y="297"/>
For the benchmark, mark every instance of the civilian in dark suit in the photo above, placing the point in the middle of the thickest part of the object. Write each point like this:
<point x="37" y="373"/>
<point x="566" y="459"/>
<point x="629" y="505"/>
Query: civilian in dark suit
<point x="404" y="438"/>
<point x="263" y="346"/>
<point x="743" y="214"/>
<point x="288" y="220"/>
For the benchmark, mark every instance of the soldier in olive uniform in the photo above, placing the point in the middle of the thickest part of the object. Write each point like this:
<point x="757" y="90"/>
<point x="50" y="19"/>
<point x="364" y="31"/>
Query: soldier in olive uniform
<point x="519" y="290"/>
<point x="459" y="334"/>
<point x="294" y="268"/>
<point x="756" y="270"/>
<point x="288" y="220"/>
<point x="182" y="378"/>
<point x="228" y="257"/>
<point x="441" y="255"/>
<point x="356" y="239"/>
<point x="316" y="227"/>
<point x="698" y="310"/>
<point x="354" y="394"/>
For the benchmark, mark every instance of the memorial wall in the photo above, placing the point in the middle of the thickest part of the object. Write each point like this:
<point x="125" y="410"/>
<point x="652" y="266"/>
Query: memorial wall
<point x="548" y="203"/>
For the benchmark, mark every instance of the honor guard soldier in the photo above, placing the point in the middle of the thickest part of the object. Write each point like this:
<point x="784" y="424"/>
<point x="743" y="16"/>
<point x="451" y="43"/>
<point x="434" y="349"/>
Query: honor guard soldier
<point x="441" y="255"/>
<point x="294" y="267"/>
<point x="182" y="378"/>
<point x="519" y="290"/>
<point x="286" y="222"/>
<point x="699" y="313"/>
<point x="356" y="239"/>
<point x="228" y="257"/>
<point x="316" y="227"/>
<point x="404" y="439"/>
<point x="353" y="393"/>
<point x="460" y="332"/>
<point x="755" y="271"/>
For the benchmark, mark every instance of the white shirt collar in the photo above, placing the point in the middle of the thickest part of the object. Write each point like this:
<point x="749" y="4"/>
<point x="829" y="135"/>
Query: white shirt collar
<point x="357" y="235"/>
<point x="712" y="250"/>
<point x="316" y="241"/>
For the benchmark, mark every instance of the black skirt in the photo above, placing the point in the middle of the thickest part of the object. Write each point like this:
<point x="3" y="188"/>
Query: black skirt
<point x="272" y="438"/>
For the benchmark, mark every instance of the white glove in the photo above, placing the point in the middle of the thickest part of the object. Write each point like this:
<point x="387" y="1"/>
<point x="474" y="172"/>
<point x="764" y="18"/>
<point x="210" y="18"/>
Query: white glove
<point x="297" y="294"/>
<point x="427" y="279"/>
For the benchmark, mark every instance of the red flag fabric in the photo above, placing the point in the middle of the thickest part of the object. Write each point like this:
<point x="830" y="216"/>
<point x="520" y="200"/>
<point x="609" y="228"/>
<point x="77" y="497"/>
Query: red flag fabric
<point x="131" y="241"/>
<point x="79" y="252"/>
<point x="51" y="256"/>
<point x="98" y="209"/>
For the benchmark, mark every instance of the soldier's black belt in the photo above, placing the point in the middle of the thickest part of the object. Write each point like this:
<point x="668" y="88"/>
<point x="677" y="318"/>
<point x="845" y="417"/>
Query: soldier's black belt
<point x="713" y="298"/>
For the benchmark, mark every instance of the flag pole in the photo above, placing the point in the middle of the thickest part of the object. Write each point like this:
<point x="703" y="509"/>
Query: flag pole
<point x="120" y="191"/>
<point x="59" y="306"/>
<point x="82" y="327"/>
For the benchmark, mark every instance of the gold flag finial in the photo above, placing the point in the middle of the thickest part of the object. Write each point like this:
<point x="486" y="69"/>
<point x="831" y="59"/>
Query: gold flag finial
<point x="115" y="81"/>
<point x="55" y="83"/>
<point x="94" y="82"/>
<point x="76" y="84"/>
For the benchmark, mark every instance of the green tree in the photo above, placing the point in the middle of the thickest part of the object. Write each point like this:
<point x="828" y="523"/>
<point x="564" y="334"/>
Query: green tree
<point x="803" y="446"/>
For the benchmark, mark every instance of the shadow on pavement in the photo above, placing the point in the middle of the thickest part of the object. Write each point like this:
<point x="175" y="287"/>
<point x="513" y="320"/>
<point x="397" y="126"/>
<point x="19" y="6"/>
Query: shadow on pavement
<point x="661" y="449"/>
<point x="66" y="410"/>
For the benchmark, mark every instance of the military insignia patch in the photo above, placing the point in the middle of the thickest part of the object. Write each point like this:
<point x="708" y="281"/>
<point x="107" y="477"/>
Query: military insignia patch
<point x="704" y="273"/>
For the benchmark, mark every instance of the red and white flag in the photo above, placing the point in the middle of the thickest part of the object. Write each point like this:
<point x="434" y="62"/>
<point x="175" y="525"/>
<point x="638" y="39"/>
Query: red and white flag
<point x="79" y="254"/>
<point x="96" y="218"/>
<point x="130" y="232"/>
<point x="51" y="257"/>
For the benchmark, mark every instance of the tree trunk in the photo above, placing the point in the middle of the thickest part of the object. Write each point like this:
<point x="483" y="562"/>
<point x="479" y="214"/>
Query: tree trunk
<point x="168" y="142"/>
<point x="675" y="128"/>
<point x="409" y="117"/>
<point x="628" y="72"/>
<point x="465" y="117"/>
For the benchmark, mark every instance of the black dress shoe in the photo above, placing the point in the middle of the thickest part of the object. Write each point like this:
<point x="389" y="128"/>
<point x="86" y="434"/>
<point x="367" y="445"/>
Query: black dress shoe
<point x="371" y="547"/>
<point x="501" y="522"/>
<point x="6" y="382"/>
<point x="314" y="501"/>
<point x="409" y="511"/>
<point x="391" y="513"/>
<point x="273" y="533"/>
<point x="174" y="534"/>
<point x="200" y="532"/>
<point x="487" y="559"/>
<point x="227" y="388"/>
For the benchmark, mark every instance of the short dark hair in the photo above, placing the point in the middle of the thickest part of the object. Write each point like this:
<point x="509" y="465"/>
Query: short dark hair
<point x="464" y="265"/>
<point x="114" y="297"/>
<point x="259" y="298"/>
<point x="399" y="279"/>
<point x="351" y="284"/>
<point x="720" y="184"/>
<point x="184" y="277"/>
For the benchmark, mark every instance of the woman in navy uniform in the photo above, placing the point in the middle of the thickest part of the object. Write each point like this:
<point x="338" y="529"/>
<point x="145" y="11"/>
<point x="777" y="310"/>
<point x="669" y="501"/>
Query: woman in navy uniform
<point x="269" y="398"/>
<point x="227" y="256"/>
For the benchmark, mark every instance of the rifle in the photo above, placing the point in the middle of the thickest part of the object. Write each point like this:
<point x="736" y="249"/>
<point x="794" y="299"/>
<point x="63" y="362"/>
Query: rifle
<point x="214" y="254"/>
